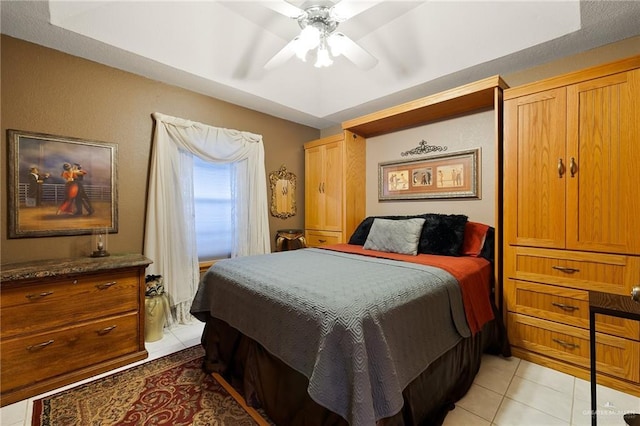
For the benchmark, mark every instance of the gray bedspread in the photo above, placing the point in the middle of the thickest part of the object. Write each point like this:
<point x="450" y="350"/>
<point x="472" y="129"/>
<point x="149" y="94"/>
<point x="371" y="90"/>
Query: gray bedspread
<point x="359" y="328"/>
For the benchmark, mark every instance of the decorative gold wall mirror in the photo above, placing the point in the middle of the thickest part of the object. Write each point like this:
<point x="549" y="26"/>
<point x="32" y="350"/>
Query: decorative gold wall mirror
<point x="283" y="193"/>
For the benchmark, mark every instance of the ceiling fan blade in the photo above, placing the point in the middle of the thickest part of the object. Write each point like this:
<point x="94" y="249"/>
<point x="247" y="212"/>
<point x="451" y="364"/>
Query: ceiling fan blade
<point x="284" y="8"/>
<point x="347" y="9"/>
<point x="283" y="55"/>
<point x="354" y="52"/>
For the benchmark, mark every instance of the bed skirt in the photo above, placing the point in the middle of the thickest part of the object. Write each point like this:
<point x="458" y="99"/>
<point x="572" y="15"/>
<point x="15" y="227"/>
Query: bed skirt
<point x="265" y="381"/>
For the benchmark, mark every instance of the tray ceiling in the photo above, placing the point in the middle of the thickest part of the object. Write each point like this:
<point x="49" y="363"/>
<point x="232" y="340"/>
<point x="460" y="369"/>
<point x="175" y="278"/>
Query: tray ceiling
<point x="219" y="48"/>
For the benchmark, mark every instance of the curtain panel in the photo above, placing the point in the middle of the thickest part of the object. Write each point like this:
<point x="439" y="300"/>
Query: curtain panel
<point x="170" y="240"/>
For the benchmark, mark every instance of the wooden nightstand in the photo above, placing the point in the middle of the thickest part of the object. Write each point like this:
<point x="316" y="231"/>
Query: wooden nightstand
<point x="613" y="305"/>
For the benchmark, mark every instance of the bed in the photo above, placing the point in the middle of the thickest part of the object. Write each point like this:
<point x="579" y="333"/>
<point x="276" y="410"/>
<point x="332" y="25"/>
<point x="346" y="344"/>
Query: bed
<point x="388" y="329"/>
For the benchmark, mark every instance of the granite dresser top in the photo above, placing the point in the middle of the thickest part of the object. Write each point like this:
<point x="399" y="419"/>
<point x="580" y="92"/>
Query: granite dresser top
<point x="70" y="266"/>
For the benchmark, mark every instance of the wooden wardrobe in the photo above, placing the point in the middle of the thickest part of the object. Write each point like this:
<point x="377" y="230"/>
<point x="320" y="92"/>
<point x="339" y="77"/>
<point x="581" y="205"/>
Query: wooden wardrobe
<point x="572" y="218"/>
<point x="334" y="188"/>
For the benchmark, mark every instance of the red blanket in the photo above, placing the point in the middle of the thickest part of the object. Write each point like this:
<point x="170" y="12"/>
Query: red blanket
<point x="473" y="273"/>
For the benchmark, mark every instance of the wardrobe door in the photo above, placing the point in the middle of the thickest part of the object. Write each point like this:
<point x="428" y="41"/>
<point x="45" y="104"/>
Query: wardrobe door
<point x="332" y="186"/>
<point x="603" y="151"/>
<point x="535" y="169"/>
<point x="314" y="197"/>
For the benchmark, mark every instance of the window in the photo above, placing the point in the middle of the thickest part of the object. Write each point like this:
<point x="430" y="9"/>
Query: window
<point x="212" y="199"/>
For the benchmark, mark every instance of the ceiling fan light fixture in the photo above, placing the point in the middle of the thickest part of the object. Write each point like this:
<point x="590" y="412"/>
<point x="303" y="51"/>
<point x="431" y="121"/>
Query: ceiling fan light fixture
<point x="318" y="35"/>
<point x="337" y="44"/>
<point x="310" y="37"/>
<point x="323" y="59"/>
<point x="300" y="49"/>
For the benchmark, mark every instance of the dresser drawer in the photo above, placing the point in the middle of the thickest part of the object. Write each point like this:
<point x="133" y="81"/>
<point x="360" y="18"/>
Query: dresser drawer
<point x="29" y="359"/>
<point x="615" y="356"/>
<point x="609" y="273"/>
<point x="565" y="305"/>
<point x="32" y="307"/>
<point x="322" y="238"/>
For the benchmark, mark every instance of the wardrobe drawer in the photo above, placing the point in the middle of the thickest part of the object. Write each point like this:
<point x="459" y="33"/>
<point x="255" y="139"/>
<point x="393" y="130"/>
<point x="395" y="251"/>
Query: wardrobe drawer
<point x="615" y="356"/>
<point x="565" y="305"/>
<point x="34" y="306"/>
<point x="609" y="273"/>
<point x="322" y="238"/>
<point x="25" y="360"/>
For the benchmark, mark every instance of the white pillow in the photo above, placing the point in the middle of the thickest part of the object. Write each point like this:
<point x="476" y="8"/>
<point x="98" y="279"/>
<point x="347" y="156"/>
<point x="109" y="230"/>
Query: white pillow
<point x="395" y="236"/>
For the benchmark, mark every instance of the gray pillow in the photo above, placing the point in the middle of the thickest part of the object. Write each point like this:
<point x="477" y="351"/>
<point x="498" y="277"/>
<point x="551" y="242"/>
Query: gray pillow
<point x="395" y="236"/>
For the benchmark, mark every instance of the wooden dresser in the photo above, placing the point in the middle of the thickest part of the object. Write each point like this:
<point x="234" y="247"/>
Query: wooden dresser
<point x="572" y="217"/>
<point x="65" y="320"/>
<point x="334" y="188"/>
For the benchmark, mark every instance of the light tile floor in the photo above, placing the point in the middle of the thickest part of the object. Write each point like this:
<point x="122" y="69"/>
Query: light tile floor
<point x="506" y="392"/>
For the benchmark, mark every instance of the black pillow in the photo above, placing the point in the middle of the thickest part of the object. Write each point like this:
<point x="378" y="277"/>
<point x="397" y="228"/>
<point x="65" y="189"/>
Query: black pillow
<point x="359" y="236"/>
<point x="441" y="234"/>
<point x="489" y="241"/>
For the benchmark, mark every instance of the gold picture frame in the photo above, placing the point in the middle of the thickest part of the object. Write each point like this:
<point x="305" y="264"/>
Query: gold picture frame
<point x="60" y="185"/>
<point x="450" y="175"/>
<point x="283" y="193"/>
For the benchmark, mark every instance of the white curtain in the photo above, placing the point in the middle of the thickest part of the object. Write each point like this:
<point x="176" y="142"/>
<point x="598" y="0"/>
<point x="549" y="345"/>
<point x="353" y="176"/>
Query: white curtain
<point x="170" y="226"/>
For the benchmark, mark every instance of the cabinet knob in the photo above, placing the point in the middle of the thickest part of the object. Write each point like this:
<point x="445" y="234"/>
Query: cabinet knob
<point x="635" y="293"/>
<point x="560" y="167"/>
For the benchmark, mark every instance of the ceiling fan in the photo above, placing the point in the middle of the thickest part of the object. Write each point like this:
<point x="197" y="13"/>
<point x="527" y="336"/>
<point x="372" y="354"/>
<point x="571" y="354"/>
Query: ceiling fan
<point x="318" y="36"/>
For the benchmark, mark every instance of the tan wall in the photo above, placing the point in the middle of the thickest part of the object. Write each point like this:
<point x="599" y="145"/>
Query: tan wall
<point x="471" y="131"/>
<point x="47" y="91"/>
<point x="456" y="134"/>
<point x="50" y="92"/>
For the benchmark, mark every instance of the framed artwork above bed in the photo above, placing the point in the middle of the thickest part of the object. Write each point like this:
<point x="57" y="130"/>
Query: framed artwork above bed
<point x="450" y="175"/>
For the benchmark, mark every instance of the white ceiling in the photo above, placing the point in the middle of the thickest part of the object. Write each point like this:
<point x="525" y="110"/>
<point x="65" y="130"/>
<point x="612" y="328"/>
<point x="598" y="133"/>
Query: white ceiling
<point x="218" y="48"/>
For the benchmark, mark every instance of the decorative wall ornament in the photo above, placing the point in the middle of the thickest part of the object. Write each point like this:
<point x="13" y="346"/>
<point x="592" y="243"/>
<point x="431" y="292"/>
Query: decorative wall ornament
<point x="283" y="189"/>
<point x="424" y="148"/>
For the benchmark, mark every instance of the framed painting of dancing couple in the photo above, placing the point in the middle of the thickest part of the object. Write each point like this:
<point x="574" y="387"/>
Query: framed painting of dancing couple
<point x="60" y="185"/>
<point x="450" y="175"/>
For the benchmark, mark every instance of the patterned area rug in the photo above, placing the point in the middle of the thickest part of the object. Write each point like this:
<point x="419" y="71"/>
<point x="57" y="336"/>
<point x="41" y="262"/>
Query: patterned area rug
<point x="172" y="390"/>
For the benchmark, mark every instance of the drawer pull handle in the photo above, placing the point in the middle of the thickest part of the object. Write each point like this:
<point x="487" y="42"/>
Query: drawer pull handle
<point x="635" y="294"/>
<point x="322" y="241"/>
<point x="566" y="344"/>
<point x="39" y="346"/>
<point x="39" y="295"/>
<point x="564" y="307"/>
<point x="106" y="285"/>
<point x="106" y="330"/>
<point x="565" y="269"/>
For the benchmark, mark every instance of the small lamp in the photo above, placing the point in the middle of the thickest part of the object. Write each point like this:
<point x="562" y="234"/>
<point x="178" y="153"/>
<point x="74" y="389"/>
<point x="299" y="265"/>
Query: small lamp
<point x="99" y="243"/>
